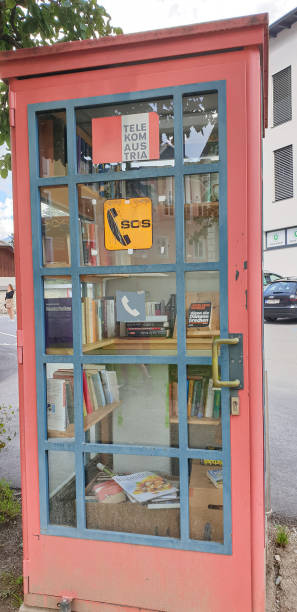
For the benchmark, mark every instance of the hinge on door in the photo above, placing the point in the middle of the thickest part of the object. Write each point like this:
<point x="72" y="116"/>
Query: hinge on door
<point x="20" y="345"/>
<point x="12" y="109"/>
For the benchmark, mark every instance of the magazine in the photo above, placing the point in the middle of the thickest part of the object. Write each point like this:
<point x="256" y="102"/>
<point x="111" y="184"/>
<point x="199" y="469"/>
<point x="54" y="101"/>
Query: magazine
<point x="144" y="486"/>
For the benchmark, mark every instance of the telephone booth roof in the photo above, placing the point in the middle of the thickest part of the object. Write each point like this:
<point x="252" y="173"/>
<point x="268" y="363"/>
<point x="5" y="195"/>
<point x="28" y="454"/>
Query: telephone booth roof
<point x="110" y="51"/>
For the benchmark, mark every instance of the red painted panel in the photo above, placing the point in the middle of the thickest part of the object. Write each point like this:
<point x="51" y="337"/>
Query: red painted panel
<point x="107" y="140"/>
<point x="148" y="577"/>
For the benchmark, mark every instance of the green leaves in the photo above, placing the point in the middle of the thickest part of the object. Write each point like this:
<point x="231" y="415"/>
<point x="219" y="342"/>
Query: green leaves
<point x="33" y="23"/>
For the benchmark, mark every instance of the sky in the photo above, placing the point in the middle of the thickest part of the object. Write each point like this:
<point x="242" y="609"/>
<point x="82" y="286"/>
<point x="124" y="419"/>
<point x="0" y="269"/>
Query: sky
<point x="138" y="16"/>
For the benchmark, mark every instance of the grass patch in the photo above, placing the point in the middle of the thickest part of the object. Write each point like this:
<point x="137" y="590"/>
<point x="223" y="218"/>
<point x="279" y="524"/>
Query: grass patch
<point x="281" y="536"/>
<point x="11" y="588"/>
<point x="9" y="506"/>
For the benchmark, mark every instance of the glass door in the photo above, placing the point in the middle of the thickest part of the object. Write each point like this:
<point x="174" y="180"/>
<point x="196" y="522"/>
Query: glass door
<point x="130" y="253"/>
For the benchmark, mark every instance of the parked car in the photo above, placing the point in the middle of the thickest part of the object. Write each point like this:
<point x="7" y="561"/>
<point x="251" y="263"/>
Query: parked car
<point x="270" y="277"/>
<point x="280" y="300"/>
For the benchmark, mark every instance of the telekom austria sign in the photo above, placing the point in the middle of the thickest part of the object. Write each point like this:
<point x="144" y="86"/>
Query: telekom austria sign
<point x="125" y="138"/>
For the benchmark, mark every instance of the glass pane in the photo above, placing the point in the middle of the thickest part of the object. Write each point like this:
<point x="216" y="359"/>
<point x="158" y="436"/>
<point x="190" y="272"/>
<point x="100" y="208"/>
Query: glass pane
<point x="203" y="409"/>
<point x="130" y="404"/>
<point x="202" y="217"/>
<point x="55" y="226"/>
<point x="129" y="314"/>
<point x="62" y="488"/>
<point x="58" y="315"/>
<point x="206" y="500"/>
<point x="202" y="311"/>
<point x="125" y="136"/>
<point x="127" y="222"/>
<point x="115" y="482"/>
<point x="60" y="400"/>
<point x="200" y="128"/>
<point x="52" y="143"/>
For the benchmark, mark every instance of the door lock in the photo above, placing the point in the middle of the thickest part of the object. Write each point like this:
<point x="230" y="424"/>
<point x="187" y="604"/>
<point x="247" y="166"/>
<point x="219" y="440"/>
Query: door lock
<point x="217" y="382"/>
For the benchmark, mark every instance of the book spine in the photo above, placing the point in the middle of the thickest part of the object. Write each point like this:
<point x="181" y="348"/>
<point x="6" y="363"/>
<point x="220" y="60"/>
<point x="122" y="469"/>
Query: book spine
<point x="194" y="407"/>
<point x="190" y="397"/>
<point x="86" y="394"/>
<point x="209" y="400"/>
<point x="217" y="403"/>
<point x="142" y="333"/>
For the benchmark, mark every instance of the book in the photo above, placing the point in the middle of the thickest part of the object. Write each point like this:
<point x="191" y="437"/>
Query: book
<point x="58" y="322"/>
<point x="86" y="394"/>
<point x="110" y="386"/>
<point x="69" y="402"/>
<point x="108" y="492"/>
<point x="145" y="486"/>
<point x="98" y="387"/>
<point x="196" y="397"/>
<point x="163" y="505"/>
<point x="208" y="413"/>
<point x="174" y="399"/>
<point x="91" y="389"/>
<point x="56" y="405"/>
<point x="149" y="332"/>
<point x="217" y="403"/>
<point x="216" y="477"/>
<point x="200" y="399"/>
<point x="202" y="312"/>
<point x="199" y="315"/>
<point x="190" y="397"/>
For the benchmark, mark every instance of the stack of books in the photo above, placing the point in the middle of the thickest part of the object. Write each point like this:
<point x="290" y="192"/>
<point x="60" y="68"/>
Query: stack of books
<point x="153" y="326"/>
<point x="203" y="400"/>
<point x="216" y="477"/>
<point x="149" y="488"/>
<point x="100" y="387"/>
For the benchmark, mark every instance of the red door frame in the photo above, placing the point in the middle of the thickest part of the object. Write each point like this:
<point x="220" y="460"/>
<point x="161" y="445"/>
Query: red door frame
<point x="156" y="578"/>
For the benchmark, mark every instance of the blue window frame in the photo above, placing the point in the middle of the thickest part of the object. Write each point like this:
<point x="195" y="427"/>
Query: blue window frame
<point x="78" y="445"/>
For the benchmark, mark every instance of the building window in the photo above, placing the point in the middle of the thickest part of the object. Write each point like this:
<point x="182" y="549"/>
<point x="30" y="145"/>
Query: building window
<point x="282" y="97"/>
<point x="281" y="238"/>
<point x="283" y="173"/>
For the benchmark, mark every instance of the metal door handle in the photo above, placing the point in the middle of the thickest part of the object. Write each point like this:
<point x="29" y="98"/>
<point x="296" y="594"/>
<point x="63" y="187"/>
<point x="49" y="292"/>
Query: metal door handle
<point x="217" y="382"/>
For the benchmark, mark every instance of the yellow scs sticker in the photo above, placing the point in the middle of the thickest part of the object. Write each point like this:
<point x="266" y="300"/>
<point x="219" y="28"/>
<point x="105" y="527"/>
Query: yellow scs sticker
<point x="128" y="224"/>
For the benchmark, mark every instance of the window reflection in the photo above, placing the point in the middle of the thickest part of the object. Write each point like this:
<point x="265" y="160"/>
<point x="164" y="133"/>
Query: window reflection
<point x="55" y="226"/>
<point x="58" y="315"/>
<point x="91" y="201"/>
<point x="52" y="143"/>
<point x="202" y="217"/>
<point x="200" y="128"/>
<point x="111" y="145"/>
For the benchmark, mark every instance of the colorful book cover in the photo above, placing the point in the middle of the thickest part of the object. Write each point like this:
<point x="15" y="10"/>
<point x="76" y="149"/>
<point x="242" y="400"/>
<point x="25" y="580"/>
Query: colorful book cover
<point x="58" y="322"/>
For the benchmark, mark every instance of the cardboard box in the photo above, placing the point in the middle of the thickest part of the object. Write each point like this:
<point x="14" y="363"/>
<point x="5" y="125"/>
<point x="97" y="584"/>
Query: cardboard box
<point x="133" y="518"/>
<point x="205" y="505"/>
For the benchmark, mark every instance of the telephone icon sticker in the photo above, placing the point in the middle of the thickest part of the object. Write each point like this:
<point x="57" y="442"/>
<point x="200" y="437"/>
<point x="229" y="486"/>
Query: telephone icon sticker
<point x="128" y="224"/>
<point x="130" y="306"/>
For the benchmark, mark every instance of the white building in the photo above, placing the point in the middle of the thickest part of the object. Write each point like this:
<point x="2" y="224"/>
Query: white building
<point x="280" y="150"/>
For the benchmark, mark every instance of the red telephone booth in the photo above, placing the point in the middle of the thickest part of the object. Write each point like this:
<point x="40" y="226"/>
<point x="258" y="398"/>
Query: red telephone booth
<point x="137" y="202"/>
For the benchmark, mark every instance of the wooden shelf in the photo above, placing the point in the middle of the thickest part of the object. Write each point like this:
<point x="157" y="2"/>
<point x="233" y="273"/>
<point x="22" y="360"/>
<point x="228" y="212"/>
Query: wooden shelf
<point x="89" y="421"/>
<point x="196" y="421"/>
<point x="202" y="342"/>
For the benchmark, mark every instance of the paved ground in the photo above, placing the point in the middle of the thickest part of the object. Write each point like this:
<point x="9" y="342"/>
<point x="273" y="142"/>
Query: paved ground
<point x="10" y="455"/>
<point x="281" y="365"/>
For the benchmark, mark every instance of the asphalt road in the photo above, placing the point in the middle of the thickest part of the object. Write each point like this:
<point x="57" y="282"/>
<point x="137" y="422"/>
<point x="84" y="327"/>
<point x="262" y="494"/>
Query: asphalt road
<point x="281" y="365"/>
<point x="10" y="455"/>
